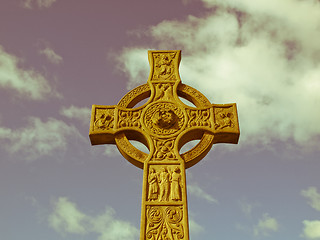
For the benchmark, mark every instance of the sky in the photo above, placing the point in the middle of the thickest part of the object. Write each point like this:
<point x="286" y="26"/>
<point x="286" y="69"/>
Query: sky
<point x="57" y="58"/>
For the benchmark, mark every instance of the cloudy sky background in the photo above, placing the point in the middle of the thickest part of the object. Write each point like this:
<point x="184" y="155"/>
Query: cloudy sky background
<point x="57" y="58"/>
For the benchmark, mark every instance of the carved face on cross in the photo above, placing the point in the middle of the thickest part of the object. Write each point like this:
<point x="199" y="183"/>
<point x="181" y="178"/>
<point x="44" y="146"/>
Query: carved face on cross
<point x="164" y="124"/>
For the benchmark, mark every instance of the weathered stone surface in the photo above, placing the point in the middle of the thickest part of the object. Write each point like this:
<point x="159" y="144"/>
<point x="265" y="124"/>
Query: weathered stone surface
<point x="164" y="124"/>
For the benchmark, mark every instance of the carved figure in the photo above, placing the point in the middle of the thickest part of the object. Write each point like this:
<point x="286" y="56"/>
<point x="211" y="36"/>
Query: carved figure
<point x="163" y="92"/>
<point x="153" y="185"/>
<point x="164" y="180"/>
<point x="164" y="65"/>
<point x="176" y="185"/>
<point x="223" y="120"/>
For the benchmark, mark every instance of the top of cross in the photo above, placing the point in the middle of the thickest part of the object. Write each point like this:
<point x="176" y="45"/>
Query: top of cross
<point x="164" y="120"/>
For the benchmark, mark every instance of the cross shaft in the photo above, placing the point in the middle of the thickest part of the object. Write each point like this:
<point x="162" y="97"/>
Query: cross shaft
<point x="164" y="124"/>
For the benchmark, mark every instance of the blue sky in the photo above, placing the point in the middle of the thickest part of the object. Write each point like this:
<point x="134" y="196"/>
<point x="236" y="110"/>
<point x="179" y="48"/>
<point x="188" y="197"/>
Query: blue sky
<point x="57" y="58"/>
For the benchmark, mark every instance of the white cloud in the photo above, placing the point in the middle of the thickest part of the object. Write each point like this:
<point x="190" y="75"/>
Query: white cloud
<point x="196" y="191"/>
<point x="266" y="61"/>
<point x="133" y="62"/>
<point x="30" y="4"/>
<point x="38" y="138"/>
<point x="67" y="218"/>
<point x="83" y="114"/>
<point x="313" y="196"/>
<point x="311" y="229"/>
<point x="265" y="226"/>
<point x="305" y="26"/>
<point x="27" y="82"/>
<point x="50" y="54"/>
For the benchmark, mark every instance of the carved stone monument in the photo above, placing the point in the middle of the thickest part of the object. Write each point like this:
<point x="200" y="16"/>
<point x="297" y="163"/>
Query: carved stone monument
<point x="164" y="124"/>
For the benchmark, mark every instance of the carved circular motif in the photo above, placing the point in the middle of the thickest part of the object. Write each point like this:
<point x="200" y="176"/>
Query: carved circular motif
<point x="174" y="214"/>
<point x="164" y="118"/>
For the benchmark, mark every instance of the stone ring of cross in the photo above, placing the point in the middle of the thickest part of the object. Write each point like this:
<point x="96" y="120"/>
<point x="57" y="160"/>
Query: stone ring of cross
<point x="164" y="117"/>
<point x="164" y="123"/>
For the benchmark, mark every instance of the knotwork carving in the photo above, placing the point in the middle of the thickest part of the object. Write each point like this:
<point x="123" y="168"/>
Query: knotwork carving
<point x="198" y="118"/>
<point x="104" y="119"/>
<point x="164" y="118"/>
<point x="223" y="118"/>
<point x="164" y="150"/>
<point x="164" y="66"/>
<point x="129" y="118"/>
<point x="164" y="223"/>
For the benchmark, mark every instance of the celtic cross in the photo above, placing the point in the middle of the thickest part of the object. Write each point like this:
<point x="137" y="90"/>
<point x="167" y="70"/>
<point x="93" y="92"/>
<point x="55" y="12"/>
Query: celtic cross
<point x="164" y="124"/>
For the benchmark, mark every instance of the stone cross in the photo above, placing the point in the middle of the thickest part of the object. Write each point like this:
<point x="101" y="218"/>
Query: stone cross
<point x="164" y="124"/>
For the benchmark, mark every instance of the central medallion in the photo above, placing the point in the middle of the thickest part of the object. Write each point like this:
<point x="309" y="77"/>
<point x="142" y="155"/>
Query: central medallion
<point x="164" y="118"/>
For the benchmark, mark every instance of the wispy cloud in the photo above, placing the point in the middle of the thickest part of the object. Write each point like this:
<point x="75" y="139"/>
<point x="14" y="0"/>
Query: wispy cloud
<point x="28" y="83"/>
<point x="30" y="4"/>
<point x="265" y="226"/>
<point x="259" y="55"/>
<point x="313" y="196"/>
<point x="67" y="218"/>
<point x="197" y="191"/>
<point x="79" y="113"/>
<point x="247" y="208"/>
<point x="195" y="228"/>
<point x="51" y="55"/>
<point x="38" y="138"/>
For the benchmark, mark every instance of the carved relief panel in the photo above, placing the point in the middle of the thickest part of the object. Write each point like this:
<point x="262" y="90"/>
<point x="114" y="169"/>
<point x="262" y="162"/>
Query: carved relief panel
<point x="164" y="66"/>
<point x="104" y="119"/>
<point x="163" y="91"/>
<point x="225" y="118"/>
<point x="164" y="183"/>
<point x="164" y="223"/>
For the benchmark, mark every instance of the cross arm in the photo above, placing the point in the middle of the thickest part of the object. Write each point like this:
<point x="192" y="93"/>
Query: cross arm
<point x="107" y="121"/>
<point x="221" y="120"/>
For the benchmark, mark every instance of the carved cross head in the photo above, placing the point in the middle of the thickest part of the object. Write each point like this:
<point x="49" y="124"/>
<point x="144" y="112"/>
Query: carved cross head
<point x="164" y="117"/>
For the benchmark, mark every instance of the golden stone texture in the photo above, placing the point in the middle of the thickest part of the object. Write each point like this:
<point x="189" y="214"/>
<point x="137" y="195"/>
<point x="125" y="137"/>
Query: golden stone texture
<point x="164" y="124"/>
